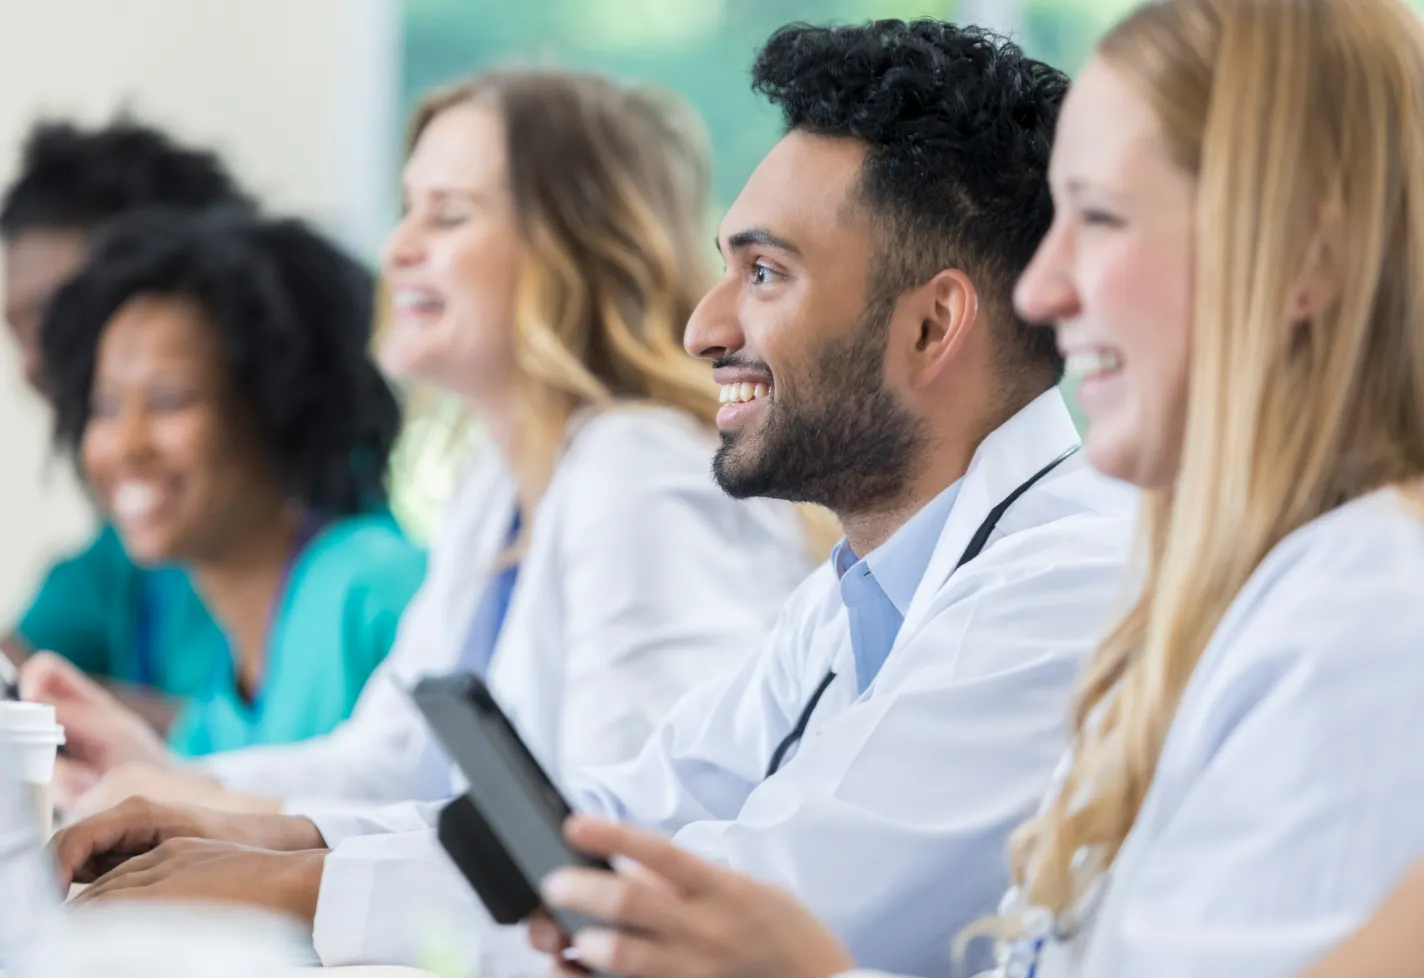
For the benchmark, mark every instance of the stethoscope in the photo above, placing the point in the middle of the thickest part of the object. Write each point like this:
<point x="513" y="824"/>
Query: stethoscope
<point x="976" y="545"/>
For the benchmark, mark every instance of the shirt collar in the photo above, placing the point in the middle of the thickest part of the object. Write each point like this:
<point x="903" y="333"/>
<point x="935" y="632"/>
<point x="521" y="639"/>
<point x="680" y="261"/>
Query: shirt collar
<point x="900" y="563"/>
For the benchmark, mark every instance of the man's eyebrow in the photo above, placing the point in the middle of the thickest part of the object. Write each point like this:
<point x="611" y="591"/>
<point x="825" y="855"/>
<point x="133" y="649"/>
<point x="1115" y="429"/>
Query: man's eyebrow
<point x="759" y="236"/>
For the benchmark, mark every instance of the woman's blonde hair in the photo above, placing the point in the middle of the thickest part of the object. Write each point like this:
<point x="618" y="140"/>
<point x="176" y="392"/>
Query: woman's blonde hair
<point x="609" y="185"/>
<point x="1302" y="122"/>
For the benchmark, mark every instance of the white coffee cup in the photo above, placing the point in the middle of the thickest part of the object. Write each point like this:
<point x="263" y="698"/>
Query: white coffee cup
<point x="31" y="735"/>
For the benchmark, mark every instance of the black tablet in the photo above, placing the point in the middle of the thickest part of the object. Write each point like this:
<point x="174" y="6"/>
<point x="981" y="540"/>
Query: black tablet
<point x="507" y="833"/>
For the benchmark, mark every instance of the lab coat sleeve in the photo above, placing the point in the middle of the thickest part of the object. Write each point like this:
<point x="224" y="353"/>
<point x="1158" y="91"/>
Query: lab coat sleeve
<point x="1306" y="809"/>
<point x="434" y="918"/>
<point x="339" y="821"/>
<point x="666" y="582"/>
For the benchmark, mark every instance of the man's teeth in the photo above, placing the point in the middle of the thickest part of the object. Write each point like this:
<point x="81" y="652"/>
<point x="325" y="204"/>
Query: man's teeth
<point x="738" y="393"/>
<point x="1088" y="363"/>
<point x="135" y="501"/>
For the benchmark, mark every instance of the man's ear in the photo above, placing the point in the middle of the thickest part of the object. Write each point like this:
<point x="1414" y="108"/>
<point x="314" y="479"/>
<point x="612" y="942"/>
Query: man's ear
<point x="945" y="310"/>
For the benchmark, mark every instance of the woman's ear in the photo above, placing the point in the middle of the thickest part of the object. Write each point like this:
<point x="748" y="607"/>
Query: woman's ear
<point x="1321" y="278"/>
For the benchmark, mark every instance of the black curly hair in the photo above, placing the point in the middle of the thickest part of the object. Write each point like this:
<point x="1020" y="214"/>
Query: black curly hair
<point x="294" y="314"/>
<point x="76" y="179"/>
<point x="959" y="125"/>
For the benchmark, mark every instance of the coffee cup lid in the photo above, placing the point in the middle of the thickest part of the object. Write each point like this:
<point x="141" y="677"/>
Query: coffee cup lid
<point x="16" y="717"/>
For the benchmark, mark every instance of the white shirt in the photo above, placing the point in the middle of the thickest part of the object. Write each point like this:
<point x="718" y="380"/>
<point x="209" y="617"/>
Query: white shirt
<point x="602" y="635"/>
<point x="891" y="818"/>
<point x="1289" y="798"/>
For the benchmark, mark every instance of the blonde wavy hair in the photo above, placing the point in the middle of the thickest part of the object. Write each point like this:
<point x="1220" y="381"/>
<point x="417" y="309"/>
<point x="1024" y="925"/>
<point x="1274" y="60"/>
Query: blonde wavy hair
<point x="610" y="185"/>
<point x="1302" y="122"/>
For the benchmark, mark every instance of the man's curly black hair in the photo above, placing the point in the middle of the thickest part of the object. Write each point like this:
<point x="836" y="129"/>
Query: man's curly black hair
<point x="76" y="179"/>
<point x="959" y="125"/>
<point x="294" y="314"/>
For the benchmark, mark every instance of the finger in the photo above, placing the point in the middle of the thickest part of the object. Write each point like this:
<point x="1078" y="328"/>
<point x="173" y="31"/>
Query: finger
<point x="46" y="677"/>
<point x="618" y="898"/>
<point x="159" y="858"/>
<point x="545" y="935"/>
<point x="561" y="970"/>
<point x="123" y="831"/>
<point x="120" y="884"/>
<point x="627" y="955"/>
<point x="607" y="839"/>
<point x="141" y="870"/>
<point x="650" y="878"/>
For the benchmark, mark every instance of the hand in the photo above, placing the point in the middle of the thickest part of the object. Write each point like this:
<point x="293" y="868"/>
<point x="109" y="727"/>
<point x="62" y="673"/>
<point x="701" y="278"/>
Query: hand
<point x="175" y="786"/>
<point x="681" y="916"/>
<point x="100" y="732"/>
<point x="89" y="849"/>
<point x="186" y="870"/>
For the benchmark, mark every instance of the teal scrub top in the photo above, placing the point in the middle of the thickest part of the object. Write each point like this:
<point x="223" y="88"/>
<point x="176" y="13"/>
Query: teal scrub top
<point x="334" y="624"/>
<point x="99" y="609"/>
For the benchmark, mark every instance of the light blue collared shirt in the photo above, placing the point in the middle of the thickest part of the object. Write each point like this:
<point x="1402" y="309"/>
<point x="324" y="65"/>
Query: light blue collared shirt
<point x="877" y="589"/>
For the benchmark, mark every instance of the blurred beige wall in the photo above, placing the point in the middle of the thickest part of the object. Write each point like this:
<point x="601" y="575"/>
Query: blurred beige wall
<point x="299" y="95"/>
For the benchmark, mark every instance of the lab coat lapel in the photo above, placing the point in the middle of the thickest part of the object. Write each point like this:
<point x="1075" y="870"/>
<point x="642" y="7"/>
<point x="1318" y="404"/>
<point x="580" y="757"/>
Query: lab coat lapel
<point x="1006" y="459"/>
<point x="522" y="663"/>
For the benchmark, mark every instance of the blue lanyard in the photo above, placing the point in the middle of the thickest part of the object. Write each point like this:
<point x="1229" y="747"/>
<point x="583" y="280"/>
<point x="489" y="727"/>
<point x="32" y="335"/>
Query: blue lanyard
<point x="487" y="622"/>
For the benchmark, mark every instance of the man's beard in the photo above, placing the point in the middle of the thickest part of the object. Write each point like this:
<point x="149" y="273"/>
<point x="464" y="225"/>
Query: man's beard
<point x="849" y="446"/>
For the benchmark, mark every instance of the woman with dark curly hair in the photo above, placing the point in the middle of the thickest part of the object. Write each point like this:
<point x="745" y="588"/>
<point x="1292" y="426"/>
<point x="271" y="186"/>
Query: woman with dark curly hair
<point x="72" y="180"/>
<point x="211" y="379"/>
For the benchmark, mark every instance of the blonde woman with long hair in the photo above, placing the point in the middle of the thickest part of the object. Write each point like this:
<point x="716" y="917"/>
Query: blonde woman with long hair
<point x="1236" y="272"/>
<point x="550" y="253"/>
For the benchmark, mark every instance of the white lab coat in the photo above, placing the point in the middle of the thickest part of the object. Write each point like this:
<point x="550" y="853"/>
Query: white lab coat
<point x="640" y="579"/>
<point x="897" y="805"/>
<point x="1289" y="798"/>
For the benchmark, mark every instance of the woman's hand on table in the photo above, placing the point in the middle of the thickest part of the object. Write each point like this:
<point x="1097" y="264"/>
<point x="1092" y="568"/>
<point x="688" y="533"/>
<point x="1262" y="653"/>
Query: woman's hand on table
<point x="100" y="732"/>
<point x="679" y="915"/>
<point x="89" y="850"/>
<point x="173" y="786"/>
